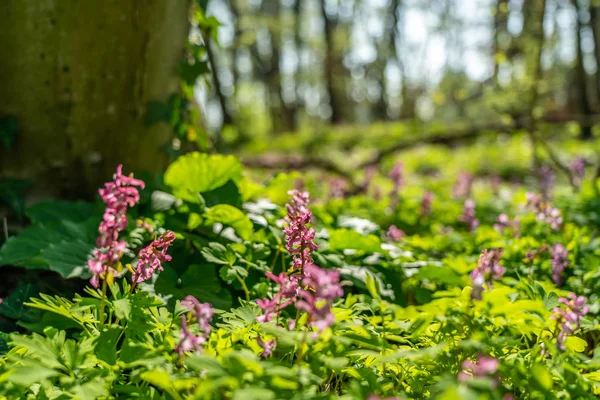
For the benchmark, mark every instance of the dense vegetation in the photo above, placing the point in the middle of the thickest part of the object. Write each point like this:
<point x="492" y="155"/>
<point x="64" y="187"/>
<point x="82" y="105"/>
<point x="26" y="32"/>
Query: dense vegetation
<point x="431" y="283"/>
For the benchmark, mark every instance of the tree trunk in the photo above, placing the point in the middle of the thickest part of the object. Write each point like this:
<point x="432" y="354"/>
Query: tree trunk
<point x="77" y="76"/>
<point x="335" y="102"/>
<point x="581" y="79"/>
<point x="594" y="22"/>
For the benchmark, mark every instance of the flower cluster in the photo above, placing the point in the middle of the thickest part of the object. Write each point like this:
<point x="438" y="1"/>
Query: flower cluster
<point x="569" y="319"/>
<point x="462" y="187"/>
<point x="577" y="168"/>
<point x="488" y="270"/>
<point x="320" y="288"/>
<point x="546" y="177"/>
<point x="426" y="201"/>
<point x="150" y="258"/>
<point x="298" y="237"/>
<point x="484" y="367"/>
<point x="468" y="215"/>
<point x="337" y="188"/>
<point x="267" y="347"/>
<point x="397" y="177"/>
<point x="544" y="211"/>
<point x="203" y="313"/>
<point x="394" y="234"/>
<point x="118" y="195"/>
<point x="503" y="222"/>
<point x="559" y="262"/>
<point x="309" y="288"/>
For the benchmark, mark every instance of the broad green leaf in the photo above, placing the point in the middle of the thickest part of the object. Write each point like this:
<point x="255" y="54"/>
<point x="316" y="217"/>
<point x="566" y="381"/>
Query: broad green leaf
<point x="541" y="377"/>
<point x="233" y="217"/>
<point x="122" y="308"/>
<point x="106" y="345"/>
<point x="14" y="305"/>
<point x="218" y="254"/>
<point x="576" y="344"/>
<point x="341" y="239"/>
<point x="254" y="393"/>
<point x="196" y="173"/>
<point x="57" y="210"/>
<point x="30" y="374"/>
<point x="226" y="194"/>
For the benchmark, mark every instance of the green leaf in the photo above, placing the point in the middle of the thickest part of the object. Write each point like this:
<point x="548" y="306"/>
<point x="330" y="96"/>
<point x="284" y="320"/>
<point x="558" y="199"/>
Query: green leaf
<point x="156" y="111"/>
<point x="541" y="377"/>
<point x="253" y="393"/>
<point x="14" y="305"/>
<point x="198" y="280"/>
<point x="229" y="273"/>
<point x="68" y="258"/>
<point x="441" y="274"/>
<point x="233" y="217"/>
<point x="30" y="374"/>
<point x="576" y="344"/>
<point x="204" y="362"/>
<point x="372" y="286"/>
<point x="106" y="345"/>
<point x="226" y="194"/>
<point x="195" y="173"/>
<point x="122" y="309"/>
<point x="91" y="390"/>
<point x="341" y="239"/>
<point x="190" y="72"/>
<point x="218" y="254"/>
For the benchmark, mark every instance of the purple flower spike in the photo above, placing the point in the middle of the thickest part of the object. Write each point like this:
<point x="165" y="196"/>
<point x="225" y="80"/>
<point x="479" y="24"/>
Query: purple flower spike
<point x="488" y="270"/>
<point x="468" y="216"/>
<point x="569" y="317"/>
<point x="150" y="258"/>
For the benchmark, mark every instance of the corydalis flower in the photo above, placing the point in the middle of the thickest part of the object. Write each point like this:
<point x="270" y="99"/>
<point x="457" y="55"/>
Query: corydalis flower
<point x="298" y="237"/>
<point x="394" y="234"/>
<point x="544" y="211"/>
<point x="468" y="215"/>
<point x="577" y="168"/>
<point x="484" y="367"/>
<point x="150" y="258"/>
<point x="488" y="270"/>
<point x="286" y="295"/>
<point x="463" y="185"/>
<point x="203" y="312"/>
<point x="267" y="347"/>
<point x="118" y="195"/>
<point x="397" y="177"/>
<point x="559" y="263"/>
<point x="569" y="317"/>
<point x="320" y="287"/>
<point x="426" y="201"/>
<point x="503" y="222"/>
<point x="337" y="188"/>
<point x="546" y="178"/>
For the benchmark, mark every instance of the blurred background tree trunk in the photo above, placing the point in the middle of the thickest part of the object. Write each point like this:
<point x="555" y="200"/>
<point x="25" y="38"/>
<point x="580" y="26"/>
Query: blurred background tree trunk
<point x="77" y="77"/>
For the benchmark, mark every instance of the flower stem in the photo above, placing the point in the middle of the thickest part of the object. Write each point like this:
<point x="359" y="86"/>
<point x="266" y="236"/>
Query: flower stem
<point x="102" y="304"/>
<point x="244" y="287"/>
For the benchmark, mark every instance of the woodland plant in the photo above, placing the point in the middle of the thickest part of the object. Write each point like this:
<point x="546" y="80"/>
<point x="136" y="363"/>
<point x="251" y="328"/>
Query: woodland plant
<point x="233" y="297"/>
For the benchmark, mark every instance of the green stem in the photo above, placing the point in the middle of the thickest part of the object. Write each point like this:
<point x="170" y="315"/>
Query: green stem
<point x="244" y="287"/>
<point x="300" y="352"/>
<point x="102" y="304"/>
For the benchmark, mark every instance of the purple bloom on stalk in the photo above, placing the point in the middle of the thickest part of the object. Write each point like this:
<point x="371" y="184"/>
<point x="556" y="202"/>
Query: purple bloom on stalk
<point x="267" y="347"/>
<point x="203" y="313"/>
<point x="426" y="201"/>
<point x="559" y="262"/>
<point x="546" y="178"/>
<point x="150" y="258"/>
<point x="484" y="367"/>
<point x="503" y="222"/>
<point x="320" y="288"/>
<point x="118" y="195"/>
<point x="488" y="270"/>
<point x="397" y="177"/>
<point x="337" y="188"/>
<point x="577" y="168"/>
<point x="299" y="238"/>
<point x="394" y="234"/>
<point x="544" y="211"/>
<point x="569" y="317"/>
<point x="462" y="187"/>
<point x="468" y="215"/>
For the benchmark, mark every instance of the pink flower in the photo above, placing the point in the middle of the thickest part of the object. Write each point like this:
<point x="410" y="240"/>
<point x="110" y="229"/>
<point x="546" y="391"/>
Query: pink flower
<point x="463" y="185"/>
<point x="267" y="347"/>
<point x="503" y="222"/>
<point x="577" y="168"/>
<point x="468" y="216"/>
<point x="118" y="195"/>
<point x="150" y="258"/>
<point x="397" y="177"/>
<point x="569" y="317"/>
<point x="544" y="211"/>
<point x="299" y="238"/>
<point x="203" y="313"/>
<point x="488" y="270"/>
<point x="394" y="234"/>
<point x="546" y="179"/>
<point x="320" y="287"/>
<point x="426" y="201"/>
<point x="483" y="367"/>
<point x="337" y="188"/>
<point x="559" y="262"/>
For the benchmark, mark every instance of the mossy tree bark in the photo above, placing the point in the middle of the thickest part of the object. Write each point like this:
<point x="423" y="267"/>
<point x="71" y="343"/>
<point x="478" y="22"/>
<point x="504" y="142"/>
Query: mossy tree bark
<point x="77" y="76"/>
